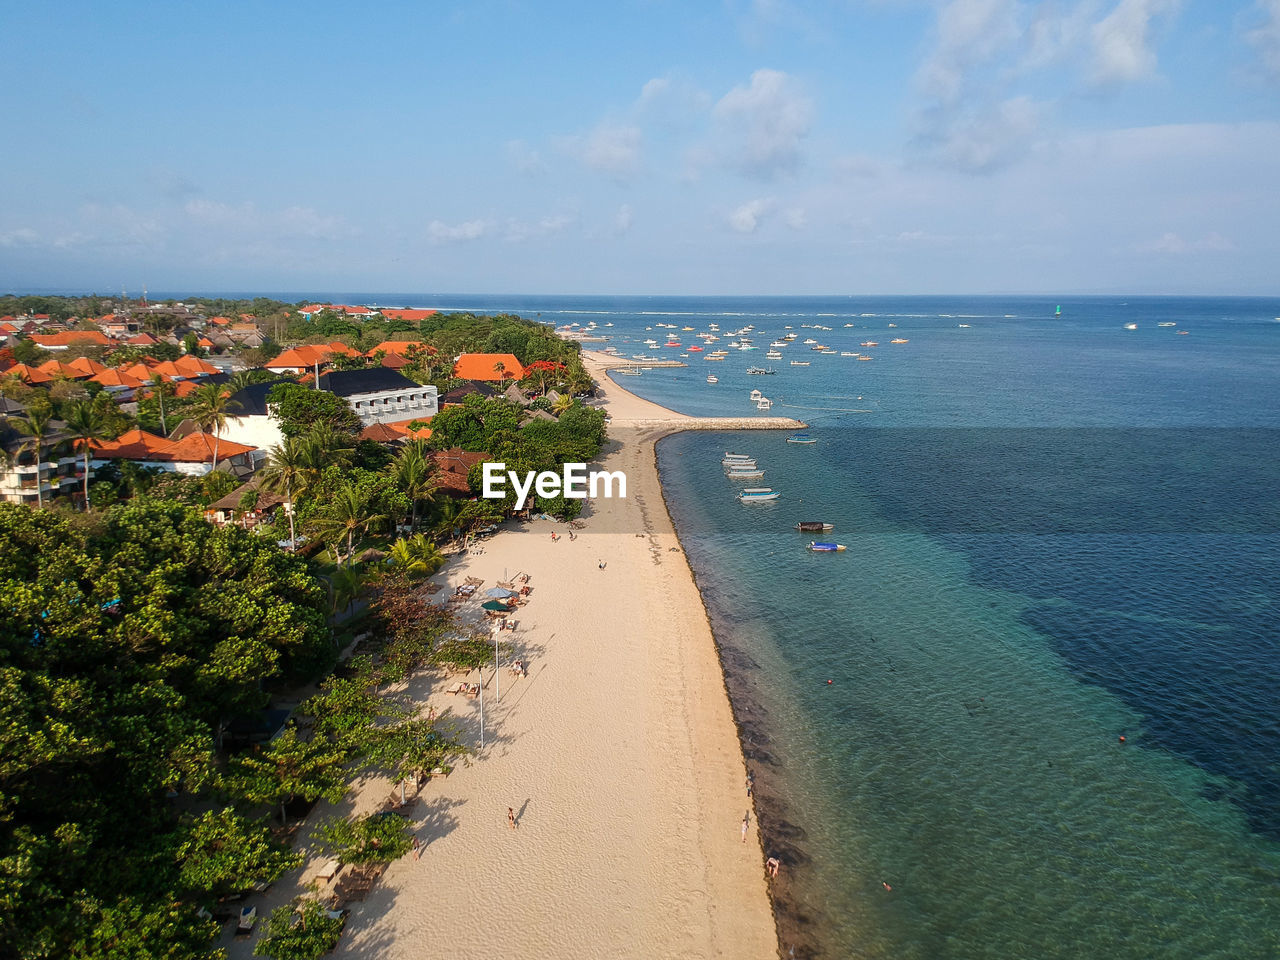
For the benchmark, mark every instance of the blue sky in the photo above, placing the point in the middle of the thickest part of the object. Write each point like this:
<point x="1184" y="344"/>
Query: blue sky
<point x="738" y="147"/>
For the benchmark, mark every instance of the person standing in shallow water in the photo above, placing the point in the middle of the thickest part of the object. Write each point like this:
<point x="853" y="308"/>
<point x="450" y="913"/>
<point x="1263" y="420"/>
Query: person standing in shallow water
<point x="746" y="819"/>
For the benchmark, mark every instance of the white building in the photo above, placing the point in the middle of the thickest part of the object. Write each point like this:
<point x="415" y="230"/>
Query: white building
<point x="380" y="395"/>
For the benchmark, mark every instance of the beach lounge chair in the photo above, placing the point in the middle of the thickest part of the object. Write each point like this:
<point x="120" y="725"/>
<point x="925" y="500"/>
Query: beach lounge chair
<point x="458" y="687"/>
<point x="248" y="917"/>
<point x="328" y="870"/>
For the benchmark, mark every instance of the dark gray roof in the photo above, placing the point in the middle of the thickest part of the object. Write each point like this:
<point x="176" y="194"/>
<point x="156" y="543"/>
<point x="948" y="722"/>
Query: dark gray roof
<point x="457" y="394"/>
<point x="252" y="399"/>
<point x="348" y="383"/>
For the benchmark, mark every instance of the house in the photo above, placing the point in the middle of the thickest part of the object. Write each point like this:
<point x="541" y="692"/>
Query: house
<point x="488" y="366"/>
<point x="21" y="470"/>
<point x="395" y="432"/>
<point x="191" y="455"/>
<point x="116" y="382"/>
<point x="82" y="368"/>
<point x="229" y="509"/>
<point x="29" y="375"/>
<point x="403" y="348"/>
<point x="454" y="397"/>
<point x="61" y="341"/>
<point x="306" y="357"/>
<point x="250" y="422"/>
<point x="453" y="465"/>
<point x="379" y="395"/>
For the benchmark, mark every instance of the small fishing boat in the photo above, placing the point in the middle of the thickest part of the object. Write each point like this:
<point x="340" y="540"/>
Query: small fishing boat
<point x="1167" y="323"/>
<point x="869" y="343"/>
<point x="758" y="495"/>
<point x="849" y="353"/>
<point x="755" y="395"/>
<point x="738" y="464"/>
<point x="864" y="357"/>
<point x="738" y="456"/>
<point x="695" y="349"/>
<point x="801" y="438"/>
<point x="712" y="378"/>
<point x="799" y="363"/>
<point x="745" y="474"/>
<point x="759" y="370"/>
<point x="816" y="547"/>
<point x="1131" y="326"/>
<point x="814" y="526"/>
<point x="899" y="340"/>
<point x="773" y="355"/>
<point x="628" y="372"/>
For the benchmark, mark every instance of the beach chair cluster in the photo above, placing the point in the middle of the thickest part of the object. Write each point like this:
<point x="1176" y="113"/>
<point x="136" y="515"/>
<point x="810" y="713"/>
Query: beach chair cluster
<point x="465" y="591"/>
<point x="466" y="689"/>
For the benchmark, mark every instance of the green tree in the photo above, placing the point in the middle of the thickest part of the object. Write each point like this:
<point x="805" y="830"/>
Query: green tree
<point x="36" y="427"/>
<point x="377" y="838"/>
<point x="222" y="853"/>
<point x="287" y="768"/>
<point x="412" y="748"/>
<point x="300" y="408"/>
<point x="414" y="470"/>
<point x="417" y="556"/>
<point x="286" y="470"/>
<point x="86" y="424"/>
<point x="301" y="930"/>
<point x="161" y="388"/>
<point x="351" y="510"/>
<point x="210" y="406"/>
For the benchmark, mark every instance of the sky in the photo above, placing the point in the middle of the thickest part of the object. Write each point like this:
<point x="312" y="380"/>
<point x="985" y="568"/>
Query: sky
<point x="732" y="147"/>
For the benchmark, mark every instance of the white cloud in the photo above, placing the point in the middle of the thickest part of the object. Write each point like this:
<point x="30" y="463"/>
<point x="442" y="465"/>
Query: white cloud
<point x="1120" y="49"/>
<point x="969" y="32"/>
<point x="524" y="158"/>
<point x="761" y="125"/>
<point x="623" y="219"/>
<point x="983" y="142"/>
<point x="747" y="217"/>
<point x="673" y="102"/>
<point x="439" y="232"/>
<point x="1266" y="37"/>
<point x="21" y="237"/>
<point x="518" y="230"/>
<point x="794" y="218"/>
<point x="1175" y="244"/>
<point x="612" y="149"/>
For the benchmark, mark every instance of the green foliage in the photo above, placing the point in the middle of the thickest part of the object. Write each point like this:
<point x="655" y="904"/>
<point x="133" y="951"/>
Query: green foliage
<point x="302" y="930"/>
<point x="223" y="853"/>
<point x="127" y="640"/>
<point x="192" y="491"/>
<point x="458" y="653"/>
<point x="413" y="747"/>
<point x="378" y="838"/>
<point x="287" y="768"/>
<point x="300" y="408"/>
<point x="417" y="556"/>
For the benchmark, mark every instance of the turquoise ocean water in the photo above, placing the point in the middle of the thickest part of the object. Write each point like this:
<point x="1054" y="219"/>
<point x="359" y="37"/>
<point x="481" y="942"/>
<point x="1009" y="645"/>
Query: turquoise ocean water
<point x="1060" y="532"/>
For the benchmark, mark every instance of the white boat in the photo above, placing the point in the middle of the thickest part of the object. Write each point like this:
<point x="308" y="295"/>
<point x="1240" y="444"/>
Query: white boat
<point x="1167" y="323"/>
<point x="758" y="495"/>
<point x="628" y="373"/>
<point x="714" y="358"/>
<point x="738" y="456"/>
<point x="810" y="340"/>
<point x="799" y="363"/>
<point x="1131" y="326"/>
<point x="773" y="355"/>
<point x="849" y="353"/>
<point x="764" y="403"/>
<point x="745" y="474"/>
<point x="712" y="378"/>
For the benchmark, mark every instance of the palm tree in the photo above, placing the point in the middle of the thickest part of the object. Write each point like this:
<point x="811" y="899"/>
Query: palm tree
<point x="286" y="469"/>
<point x="239" y="380"/>
<point x="344" y="587"/>
<point x="414" y="471"/>
<point x="349" y="512"/>
<point x="417" y="556"/>
<point x="160" y="386"/>
<point x="209" y="407"/>
<point x="86" y="423"/>
<point x="563" y="405"/>
<point x="35" y="426"/>
<point x="328" y="447"/>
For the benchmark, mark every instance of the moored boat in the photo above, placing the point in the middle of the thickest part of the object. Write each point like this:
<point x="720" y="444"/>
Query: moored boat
<point x="801" y="438"/>
<point x="738" y="456"/>
<point x="758" y="494"/>
<point x="712" y="378"/>
<point x="814" y="526"/>
<point x="826" y="547"/>
<point x="735" y="474"/>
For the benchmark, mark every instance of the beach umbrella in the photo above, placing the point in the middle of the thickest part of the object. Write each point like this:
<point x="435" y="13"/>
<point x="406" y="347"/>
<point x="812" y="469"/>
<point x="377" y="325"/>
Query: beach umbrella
<point x="496" y="606"/>
<point x="499" y="592"/>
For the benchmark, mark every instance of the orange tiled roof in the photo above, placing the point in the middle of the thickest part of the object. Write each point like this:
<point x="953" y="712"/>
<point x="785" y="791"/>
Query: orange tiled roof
<point x="143" y="340"/>
<point x="401" y="347"/>
<point x="185" y="388"/>
<point x="396" y="430"/>
<point x="220" y="321"/>
<point x="114" y="378"/>
<point x="70" y="337"/>
<point x="140" y="445"/>
<point x="482" y="366"/>
<point x="194" y="366"/>
<point x="310" y="354"/>
<point x="84" y="366"/>
<point x="29" y="375"/>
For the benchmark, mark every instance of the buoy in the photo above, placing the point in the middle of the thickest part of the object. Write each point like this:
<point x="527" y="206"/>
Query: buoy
<point x="1122" y="738"/>
<point x="829" y="684"/>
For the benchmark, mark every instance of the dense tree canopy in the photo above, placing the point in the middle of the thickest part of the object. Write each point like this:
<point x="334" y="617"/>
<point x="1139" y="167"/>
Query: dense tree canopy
<point x="127" y="640"/>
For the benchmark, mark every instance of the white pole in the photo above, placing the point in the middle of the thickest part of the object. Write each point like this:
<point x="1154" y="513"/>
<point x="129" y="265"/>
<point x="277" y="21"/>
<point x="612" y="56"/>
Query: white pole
<point x="496" y="694"/>
<point x="481" y="695"/>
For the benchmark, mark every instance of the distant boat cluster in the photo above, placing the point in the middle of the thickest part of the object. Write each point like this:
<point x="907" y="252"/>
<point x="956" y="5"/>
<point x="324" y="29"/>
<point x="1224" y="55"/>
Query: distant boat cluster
<point x="743" y="466"/>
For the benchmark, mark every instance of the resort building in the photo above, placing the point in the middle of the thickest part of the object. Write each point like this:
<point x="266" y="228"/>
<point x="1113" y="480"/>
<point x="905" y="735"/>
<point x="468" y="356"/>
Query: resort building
<point x="191" y="455"/>
<point x="21" y="470"/>
<point x="380" y="395"/>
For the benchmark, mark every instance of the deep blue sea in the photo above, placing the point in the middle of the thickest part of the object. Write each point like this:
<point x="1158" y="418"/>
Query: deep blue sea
<point x="1060" y="532"/>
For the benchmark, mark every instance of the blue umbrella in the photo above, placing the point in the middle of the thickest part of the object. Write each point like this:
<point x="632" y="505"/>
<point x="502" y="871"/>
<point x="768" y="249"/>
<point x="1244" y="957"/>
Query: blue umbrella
<point x="499" y="592"/>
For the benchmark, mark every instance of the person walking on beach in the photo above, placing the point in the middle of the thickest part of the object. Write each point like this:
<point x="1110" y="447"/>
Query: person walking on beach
<point x="417" y="850"/>
<point x="511" y="817"/>
<point x="750" y="779"/>
<point x="746" y="819"/>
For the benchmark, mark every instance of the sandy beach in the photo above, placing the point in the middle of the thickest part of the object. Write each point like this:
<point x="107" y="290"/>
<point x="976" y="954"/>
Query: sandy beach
<point x="617" y="752"/>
